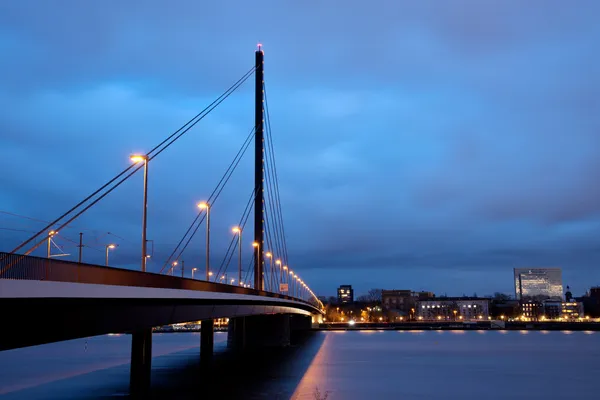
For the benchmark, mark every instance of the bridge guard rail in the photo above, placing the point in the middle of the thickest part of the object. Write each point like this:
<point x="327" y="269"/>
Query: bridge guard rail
<point x="20" y="267"/>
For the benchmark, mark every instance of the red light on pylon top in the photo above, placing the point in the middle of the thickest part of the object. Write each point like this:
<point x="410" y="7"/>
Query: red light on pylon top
<point x="259" y="45"/>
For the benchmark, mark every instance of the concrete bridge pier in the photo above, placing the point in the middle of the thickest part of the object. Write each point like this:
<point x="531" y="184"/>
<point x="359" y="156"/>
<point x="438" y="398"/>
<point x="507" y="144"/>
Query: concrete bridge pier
<point x="141" y="362"/>
<point x="207" y="339"/>
<point x="245" y="333"/>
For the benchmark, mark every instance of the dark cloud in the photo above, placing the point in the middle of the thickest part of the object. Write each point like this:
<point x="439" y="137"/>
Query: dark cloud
<point x="418" y="145"/>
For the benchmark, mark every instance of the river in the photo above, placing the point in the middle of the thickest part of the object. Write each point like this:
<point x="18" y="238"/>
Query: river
<point x="342" y="365"/>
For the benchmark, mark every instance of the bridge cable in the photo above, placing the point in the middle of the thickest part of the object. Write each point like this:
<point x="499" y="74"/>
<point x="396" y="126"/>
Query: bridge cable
<point x="274" y="164"/>
<point x="234" y="242"/>
<point x="198" y="117"/>
<point x="212" y="198"/>
<point x="149" y="159"/>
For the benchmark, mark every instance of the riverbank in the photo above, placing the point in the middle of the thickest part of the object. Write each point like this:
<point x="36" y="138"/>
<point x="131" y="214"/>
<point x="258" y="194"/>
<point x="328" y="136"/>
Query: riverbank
<point x="476" y="325"/>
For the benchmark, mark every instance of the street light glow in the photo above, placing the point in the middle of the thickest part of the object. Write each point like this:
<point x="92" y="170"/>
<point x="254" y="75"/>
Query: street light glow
<point x="236" y="229"/>
<point x="254" y="244"/>
<point x="136" y="158"/>
<point x="278" y="262"/>
<point x="285" y="267"/>
<point x="111" y="246"/>
<point x="202" y="205"/>
<point x="269" y="254"/>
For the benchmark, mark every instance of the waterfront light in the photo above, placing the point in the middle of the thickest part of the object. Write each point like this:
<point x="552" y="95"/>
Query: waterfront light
<point x="351" y="322"/>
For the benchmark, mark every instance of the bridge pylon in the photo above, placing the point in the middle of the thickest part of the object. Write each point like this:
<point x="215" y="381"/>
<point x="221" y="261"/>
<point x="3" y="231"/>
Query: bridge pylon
<point x="259" y="162"/>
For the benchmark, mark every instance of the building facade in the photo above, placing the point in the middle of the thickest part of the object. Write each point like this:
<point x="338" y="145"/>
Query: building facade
<point x="538" y="284"/>
<point x="404" y="302"/>
<point x="454" y="309"/>
<point x="345" y="294"/>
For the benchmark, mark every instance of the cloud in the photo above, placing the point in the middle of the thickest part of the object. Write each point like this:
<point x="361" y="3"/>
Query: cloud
<point x="415" y="143"/>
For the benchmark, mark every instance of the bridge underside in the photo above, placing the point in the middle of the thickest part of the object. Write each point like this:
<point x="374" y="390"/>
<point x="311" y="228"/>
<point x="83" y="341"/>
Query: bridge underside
<point x="50" y="318"/>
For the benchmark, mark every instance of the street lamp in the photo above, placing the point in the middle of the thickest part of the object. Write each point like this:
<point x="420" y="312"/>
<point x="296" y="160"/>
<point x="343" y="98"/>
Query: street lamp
<point x="137" y="158"/>
<point x="50" y="234"/>
<point x="173" y="265"/>
<point x="270" y="257"/>
<point x="237" y="230"/>
<point x="108" y="246"/>
<point x="232" y="280"/>
<point x="204" y="205"/>
<point x="193" y="270"/>
<point x="278" y="263"/>
<point x="287" y="278"/>
<point x="256" y="245"/>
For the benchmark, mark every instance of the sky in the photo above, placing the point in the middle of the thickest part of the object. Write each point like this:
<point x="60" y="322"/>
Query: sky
<point x="420" y="145"/>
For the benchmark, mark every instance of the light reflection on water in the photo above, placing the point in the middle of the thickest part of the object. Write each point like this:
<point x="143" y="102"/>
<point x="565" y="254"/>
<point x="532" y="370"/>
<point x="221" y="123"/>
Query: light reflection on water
<point x="357" y="364"/>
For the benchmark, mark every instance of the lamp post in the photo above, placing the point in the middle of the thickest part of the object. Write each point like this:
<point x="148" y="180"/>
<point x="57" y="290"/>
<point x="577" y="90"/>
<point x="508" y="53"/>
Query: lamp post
<point x="108" y="247"/>
<point x="287" y="278"/>
<point x="270" y="257"/>
<point x="137" y="158"/>
<point x="50" y="234"/>
<point x="278" y="263"/>
<point x="193" y="270"/>
<point x="237" y="230"/>
<point x="256" y="245"/>
<point x="173" y="265"/>
<point x="204" y="205"/>
<point x="291" y="282"/>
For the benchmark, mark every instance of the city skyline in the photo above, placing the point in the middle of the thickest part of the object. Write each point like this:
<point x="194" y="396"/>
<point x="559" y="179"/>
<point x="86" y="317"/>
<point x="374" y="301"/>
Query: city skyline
<point x="433" y="149"/>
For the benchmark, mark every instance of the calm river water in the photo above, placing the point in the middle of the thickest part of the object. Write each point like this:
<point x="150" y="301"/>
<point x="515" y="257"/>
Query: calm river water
<point x="345" y="365"/>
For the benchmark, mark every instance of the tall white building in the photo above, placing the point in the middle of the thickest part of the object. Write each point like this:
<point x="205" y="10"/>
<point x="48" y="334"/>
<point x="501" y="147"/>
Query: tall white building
<point x="538" y="283"/>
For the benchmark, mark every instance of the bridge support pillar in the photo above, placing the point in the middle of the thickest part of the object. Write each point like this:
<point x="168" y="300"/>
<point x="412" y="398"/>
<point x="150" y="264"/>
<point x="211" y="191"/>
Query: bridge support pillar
<point x="207" y="339"/>
<point x="257" y="331"/>
<point x="141" y="362"/>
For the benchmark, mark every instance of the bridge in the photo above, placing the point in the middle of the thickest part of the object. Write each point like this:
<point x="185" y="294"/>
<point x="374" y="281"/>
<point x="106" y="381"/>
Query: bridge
<point x="46" y="299"/>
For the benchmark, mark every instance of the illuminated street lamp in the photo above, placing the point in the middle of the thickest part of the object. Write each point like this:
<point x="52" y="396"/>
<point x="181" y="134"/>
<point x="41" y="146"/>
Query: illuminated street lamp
<point x="204" y="205"/>
<point x="270" y="257"/>
<point x="256" y="245"/>
<point x="138" y="158"/>
<point x="173" y="265"/>
<point x="287" y="278"/>
<point x="238" y="230"/>
<point x="50" y="234"/>
<point x="108" y="247"/>
<point x="278" y="263"/>
<point x="194" y="270"/>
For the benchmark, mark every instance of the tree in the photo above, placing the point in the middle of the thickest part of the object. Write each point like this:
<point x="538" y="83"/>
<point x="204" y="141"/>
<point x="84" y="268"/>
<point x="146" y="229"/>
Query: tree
<point x="374" y="295"/>
<point x="501" y="297"/>
<point x="363" y="298"/>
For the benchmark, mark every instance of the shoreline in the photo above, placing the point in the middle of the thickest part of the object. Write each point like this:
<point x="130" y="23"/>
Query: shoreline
<point x="479" y="325"/>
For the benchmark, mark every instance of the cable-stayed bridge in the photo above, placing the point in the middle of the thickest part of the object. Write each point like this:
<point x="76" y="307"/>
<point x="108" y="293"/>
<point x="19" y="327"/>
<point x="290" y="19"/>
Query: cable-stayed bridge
<point x="50" y="299"/>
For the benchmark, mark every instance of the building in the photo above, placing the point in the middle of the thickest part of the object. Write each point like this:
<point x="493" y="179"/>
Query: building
<point x="532" y="310"/>
<point x="551" y="310"/>
<point x="454" y="309"/>
<point x="572" y="310"/>
<point x="345" y="294"/>
<point x="538" y="284"/>
<point x="403" y="302"/>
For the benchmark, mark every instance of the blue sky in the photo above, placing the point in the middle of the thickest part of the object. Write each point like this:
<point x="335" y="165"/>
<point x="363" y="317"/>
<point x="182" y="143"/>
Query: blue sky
<point x="420" y="145"/>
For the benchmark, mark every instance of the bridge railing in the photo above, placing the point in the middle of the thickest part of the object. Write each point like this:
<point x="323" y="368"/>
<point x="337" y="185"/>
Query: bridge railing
<point x="20" y="267"/>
